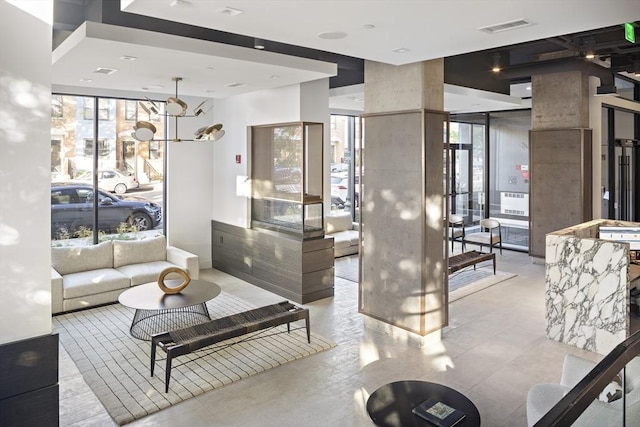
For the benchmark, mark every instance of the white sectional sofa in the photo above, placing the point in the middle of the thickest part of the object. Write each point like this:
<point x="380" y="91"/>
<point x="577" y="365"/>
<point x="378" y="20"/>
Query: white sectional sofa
<point x="344" y="232"/>
<point x="85" y="276"/>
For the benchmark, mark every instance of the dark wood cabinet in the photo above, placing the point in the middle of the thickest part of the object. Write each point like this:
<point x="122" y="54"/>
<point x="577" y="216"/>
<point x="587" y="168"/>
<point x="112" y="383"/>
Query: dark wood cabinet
<point x="300" y="270"/>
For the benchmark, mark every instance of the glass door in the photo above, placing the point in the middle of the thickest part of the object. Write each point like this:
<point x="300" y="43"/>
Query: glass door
<point x="466" y="187"/>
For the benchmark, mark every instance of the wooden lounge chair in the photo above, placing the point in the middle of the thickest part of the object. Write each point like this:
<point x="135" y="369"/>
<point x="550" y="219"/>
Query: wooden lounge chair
<point x="184" y="341"/>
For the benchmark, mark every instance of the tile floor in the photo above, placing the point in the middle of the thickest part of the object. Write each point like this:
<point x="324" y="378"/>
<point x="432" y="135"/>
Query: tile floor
<point x="493" y="351"/>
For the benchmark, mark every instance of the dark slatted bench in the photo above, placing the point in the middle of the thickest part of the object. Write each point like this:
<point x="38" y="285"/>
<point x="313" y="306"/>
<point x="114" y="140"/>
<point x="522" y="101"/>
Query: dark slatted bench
<point x="184" y="341"/>
<point x="466" y="259"/>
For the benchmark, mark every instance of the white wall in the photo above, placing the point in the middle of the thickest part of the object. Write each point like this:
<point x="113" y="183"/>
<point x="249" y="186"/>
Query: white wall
<point x="190" y="180"/>
<point x="232" y="191"/>
<point x="25" y="128"/>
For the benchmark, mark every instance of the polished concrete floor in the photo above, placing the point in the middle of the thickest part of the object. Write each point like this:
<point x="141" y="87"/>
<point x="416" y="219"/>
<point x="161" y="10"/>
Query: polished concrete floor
<point x="493" y="351"/>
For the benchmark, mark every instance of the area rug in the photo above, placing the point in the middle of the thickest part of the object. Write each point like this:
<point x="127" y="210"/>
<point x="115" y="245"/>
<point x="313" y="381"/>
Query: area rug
<point x="468" y="281"/>
<point x="461" y="283"/>
<point x="346" y="267"/>
<point x="116" y="365"/>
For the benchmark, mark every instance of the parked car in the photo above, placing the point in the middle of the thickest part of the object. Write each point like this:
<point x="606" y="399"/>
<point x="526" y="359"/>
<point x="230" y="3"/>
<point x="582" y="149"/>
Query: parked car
<point x="112" y="180"/>
<point x="72" y="208"/>
<point x="340" y="187"/>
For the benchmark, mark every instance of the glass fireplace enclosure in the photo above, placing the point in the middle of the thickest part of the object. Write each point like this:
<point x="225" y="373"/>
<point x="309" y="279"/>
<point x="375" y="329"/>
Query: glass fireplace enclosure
<point x="287" y="178"/>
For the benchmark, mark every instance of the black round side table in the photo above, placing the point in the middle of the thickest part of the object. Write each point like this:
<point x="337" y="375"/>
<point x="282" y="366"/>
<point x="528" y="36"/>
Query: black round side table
<point x="391" y="404"/>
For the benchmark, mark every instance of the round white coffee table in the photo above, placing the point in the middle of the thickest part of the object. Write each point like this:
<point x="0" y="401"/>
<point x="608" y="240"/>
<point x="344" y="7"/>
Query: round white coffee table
<point x="158" y="312"/>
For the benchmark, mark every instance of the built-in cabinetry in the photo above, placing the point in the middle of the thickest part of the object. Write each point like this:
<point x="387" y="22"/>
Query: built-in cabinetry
<point x="300" y="270"/>
<point x="285" y="250"/>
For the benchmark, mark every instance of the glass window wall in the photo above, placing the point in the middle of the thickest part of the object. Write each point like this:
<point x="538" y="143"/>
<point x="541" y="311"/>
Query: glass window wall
<point x="128" y="173"/>
<point x="345" y="164"/>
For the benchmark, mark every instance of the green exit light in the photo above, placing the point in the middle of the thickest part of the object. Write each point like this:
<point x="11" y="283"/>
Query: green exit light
<point x="630" y="32"/>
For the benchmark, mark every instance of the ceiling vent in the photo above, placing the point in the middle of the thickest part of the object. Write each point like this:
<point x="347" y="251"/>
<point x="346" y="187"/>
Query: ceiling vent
<point x="511" y="25"/>
<point x="102" y="70"/>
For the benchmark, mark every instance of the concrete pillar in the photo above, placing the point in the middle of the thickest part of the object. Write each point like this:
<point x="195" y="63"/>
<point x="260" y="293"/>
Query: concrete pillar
<point x="402" y="260"/>
<point x="560" y="155"/>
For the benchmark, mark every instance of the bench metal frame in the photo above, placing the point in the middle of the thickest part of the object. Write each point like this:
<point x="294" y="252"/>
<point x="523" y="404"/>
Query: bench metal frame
<point x="187" y="340"/>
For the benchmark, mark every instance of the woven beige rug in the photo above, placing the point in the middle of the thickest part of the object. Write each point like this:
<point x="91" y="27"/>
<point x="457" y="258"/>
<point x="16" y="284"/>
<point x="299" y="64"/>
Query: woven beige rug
<point x="116" y="365"/>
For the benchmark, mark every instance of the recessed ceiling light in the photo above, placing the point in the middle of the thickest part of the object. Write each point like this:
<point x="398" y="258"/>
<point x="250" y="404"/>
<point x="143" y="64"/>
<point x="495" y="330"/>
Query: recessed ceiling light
<point x="128" y="58"/>
<point x="332" y="35"/>
<point x="368" y="26"/>
<point x="236" y="84"/>
<point x="86" y="80"/>
<point x="258" y="44"/>
<point x="144" y="88"/>
<point x="105" y="70"/>
<point x="274" y="76"/>
<point x="528" y="87"/>
<point x="401" y="50"/>
<point x="229" y="11"/>
<point x="210" y="91"/>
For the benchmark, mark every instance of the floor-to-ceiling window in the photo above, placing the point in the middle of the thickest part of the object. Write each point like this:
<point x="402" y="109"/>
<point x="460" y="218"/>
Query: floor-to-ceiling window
<point x="467" y="146"/>
<point x="345" y="164"/>
<point x="91" y="142"/>
<point x="490" y="172"/>
<point x="620" y="166"/>
<point x="508" y="186"/>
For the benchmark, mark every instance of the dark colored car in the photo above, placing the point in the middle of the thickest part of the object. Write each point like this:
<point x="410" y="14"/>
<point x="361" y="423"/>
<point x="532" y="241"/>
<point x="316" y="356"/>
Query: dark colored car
<point x="72" y="208"/>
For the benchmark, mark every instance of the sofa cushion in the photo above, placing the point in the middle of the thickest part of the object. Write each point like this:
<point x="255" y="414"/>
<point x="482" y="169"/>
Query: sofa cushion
<point x="127" y="252"/>
<point x="339" y="222"/>
<point x="341" y="242"/>
<point x="72" y="259"/>
<point x="145" y="272"/>
<point x="345" y="238"/>
<point x="93" y="282"/>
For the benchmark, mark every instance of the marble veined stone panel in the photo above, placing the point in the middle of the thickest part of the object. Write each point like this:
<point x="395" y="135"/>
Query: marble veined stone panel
<point x="587" y="292"/>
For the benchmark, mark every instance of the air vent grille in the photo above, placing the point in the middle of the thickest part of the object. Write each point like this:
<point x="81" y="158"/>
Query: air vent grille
<point x="505" y="26"/>
<point x="102" y="70"/>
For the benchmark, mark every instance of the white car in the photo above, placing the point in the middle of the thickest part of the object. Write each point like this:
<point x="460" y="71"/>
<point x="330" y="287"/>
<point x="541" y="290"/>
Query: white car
<point x="339" y="187"/>
<point x="112" y="180"/>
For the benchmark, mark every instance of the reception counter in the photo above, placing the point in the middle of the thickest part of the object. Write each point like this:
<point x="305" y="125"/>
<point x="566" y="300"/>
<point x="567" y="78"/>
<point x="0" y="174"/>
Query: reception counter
<point x="587" y="291"/>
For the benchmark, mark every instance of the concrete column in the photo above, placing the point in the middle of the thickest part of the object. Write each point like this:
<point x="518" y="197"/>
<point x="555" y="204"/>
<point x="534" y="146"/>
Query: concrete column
<point x="560" y="155"/>
<point x="402" y="258"/>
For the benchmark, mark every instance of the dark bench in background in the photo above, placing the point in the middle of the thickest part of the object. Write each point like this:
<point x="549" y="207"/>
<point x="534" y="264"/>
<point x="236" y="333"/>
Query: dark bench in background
<point x="466" y="259"/>
<point x="184" y="341"/>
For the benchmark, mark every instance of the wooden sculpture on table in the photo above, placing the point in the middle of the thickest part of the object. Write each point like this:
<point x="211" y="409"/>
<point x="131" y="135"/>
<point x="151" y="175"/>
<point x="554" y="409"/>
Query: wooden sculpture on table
<point x="173" y="290"/>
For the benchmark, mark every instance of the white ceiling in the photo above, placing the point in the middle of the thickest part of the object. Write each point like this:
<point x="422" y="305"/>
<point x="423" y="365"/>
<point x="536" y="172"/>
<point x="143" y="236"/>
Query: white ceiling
<point x="208" y="68"/>
<point x="426" y="28"/>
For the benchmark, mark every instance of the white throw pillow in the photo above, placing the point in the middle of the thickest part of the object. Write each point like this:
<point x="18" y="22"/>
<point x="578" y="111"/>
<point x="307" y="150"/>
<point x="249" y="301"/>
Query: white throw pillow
<point x="73" y="259"/>
<point x="126" y="252"/>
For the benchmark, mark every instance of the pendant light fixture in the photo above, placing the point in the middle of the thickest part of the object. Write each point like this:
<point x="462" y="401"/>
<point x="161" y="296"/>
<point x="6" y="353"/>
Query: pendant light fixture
<point x="176" y="108"/>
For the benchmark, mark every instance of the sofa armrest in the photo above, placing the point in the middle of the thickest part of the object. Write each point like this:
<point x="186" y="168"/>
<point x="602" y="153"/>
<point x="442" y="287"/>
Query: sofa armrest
<point x="574" y="369"/>
<point x="56" y="291"/>
<point x="185" y="260"/>
<point x="356" y="226"/>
